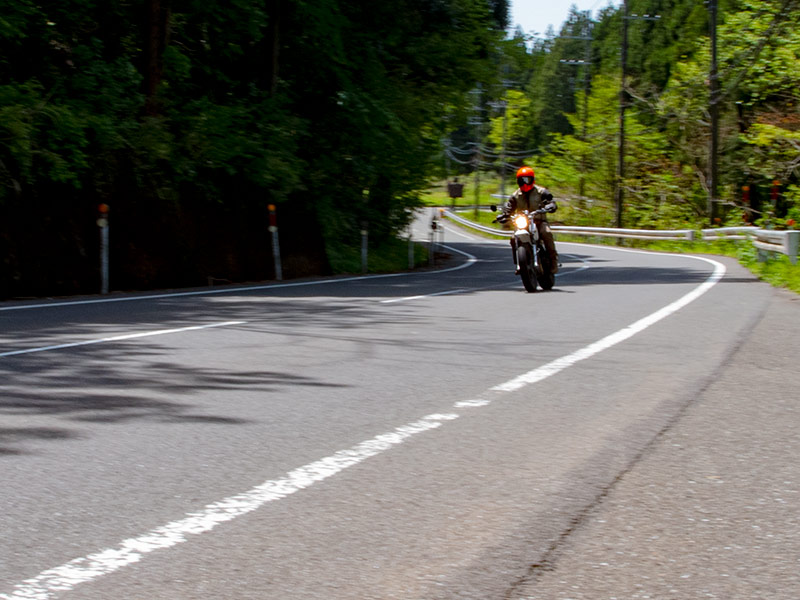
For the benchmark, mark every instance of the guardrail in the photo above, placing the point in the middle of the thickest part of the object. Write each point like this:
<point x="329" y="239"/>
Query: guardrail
<point x="729" y="233"/>
<point x="766" y="240"/>
<point x="637" y="234"/>
<point x="785" y="242"/>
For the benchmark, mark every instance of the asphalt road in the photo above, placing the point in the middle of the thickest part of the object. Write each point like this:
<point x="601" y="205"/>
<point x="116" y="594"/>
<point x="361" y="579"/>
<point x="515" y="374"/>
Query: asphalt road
<point x="439" y="434"/>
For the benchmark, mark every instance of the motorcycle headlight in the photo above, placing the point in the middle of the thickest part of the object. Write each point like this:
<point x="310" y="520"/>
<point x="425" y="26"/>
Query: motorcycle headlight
<point x="521" y="221"/>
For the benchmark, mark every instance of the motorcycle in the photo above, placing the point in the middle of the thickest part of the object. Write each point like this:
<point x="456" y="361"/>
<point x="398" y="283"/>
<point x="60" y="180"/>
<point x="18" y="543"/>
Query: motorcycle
<point x="533" y="261"/>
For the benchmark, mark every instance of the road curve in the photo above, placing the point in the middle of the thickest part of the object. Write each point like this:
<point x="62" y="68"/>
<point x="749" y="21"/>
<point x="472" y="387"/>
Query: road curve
<point x="438" y="434"/>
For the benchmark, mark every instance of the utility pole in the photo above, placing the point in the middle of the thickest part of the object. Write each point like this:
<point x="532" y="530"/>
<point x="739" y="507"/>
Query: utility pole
<point x="502" y="105"/>
<point x="585" y="134"/>
<point x="477" y="183"/>
<point x="503" y="151"/>
<point x="446" y="160"/>
<point x="713" y="109"/>
<point x="477" y="121"/>
<point x="507" y="85"/>
<point x="623" y="104"/>
<point x="586" y="62"/>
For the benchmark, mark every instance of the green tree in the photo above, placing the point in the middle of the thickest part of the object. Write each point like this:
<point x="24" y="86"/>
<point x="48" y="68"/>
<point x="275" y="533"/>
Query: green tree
<point x="188" y="118"/>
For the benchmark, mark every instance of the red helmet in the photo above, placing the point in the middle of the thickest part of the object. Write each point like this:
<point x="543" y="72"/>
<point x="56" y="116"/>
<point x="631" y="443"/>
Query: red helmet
<point x="525" y="179"/>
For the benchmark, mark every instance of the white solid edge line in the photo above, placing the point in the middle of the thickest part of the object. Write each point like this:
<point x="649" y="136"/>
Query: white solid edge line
<point x="118" y="338"/>
<point x="84" y="569"/>
<point x="615" y="338"/>
<point x="471" y="260"/>
<point x="252" y="288"/>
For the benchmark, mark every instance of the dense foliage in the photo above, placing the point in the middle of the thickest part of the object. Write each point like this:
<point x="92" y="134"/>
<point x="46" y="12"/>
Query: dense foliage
<point x="569" y="112"/>
<point x="189" y="118"/>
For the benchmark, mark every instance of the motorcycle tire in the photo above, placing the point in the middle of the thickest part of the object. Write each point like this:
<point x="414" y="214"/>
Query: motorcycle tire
<point x="526" y="270"/>
<point x="547" y="279"/>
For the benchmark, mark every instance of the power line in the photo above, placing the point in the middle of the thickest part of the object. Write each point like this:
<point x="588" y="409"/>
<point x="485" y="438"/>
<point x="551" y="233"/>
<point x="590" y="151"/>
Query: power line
<point x="487" y="151"/>
<point x="586" y="62"/>
<point x="623" y="104"/>
<point x="478" y="161"/>
<point x="713" y="112"/>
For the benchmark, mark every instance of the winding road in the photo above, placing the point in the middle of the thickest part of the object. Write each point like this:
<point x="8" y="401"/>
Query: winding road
<point x="436" y="434"/>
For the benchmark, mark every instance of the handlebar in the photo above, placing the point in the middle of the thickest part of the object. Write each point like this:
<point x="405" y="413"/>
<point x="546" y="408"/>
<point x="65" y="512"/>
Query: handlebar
<point x="506" y="216"/>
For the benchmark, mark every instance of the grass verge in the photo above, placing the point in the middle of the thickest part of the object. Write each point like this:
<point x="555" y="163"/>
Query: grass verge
<point x="388" y="257"/>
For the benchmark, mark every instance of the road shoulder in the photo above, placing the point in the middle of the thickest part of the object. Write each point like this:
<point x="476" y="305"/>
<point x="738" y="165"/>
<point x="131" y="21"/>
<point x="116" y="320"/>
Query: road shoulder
<point x="713" y="508"/>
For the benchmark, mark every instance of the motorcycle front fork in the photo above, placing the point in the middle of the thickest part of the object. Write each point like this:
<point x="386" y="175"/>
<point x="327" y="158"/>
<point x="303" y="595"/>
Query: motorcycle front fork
<point x="535" y="256"/>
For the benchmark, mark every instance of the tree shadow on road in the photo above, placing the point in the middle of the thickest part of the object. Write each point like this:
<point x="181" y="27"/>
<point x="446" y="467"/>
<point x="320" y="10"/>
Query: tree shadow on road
<point x="124" y="382"/>
<point x="132" y="382"/>
<point x="16" y="435"/>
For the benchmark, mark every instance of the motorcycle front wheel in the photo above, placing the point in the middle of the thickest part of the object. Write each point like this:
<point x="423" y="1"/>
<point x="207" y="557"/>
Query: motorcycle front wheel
<point x="547" y="279"/>
<point x="526" y="271"/>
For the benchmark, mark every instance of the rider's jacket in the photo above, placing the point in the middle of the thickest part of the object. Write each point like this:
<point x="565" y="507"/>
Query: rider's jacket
<point x="538" y="197"/>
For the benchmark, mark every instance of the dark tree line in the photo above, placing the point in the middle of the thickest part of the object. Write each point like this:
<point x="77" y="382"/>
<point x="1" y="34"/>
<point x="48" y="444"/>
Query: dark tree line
<point x="188" y="118"/>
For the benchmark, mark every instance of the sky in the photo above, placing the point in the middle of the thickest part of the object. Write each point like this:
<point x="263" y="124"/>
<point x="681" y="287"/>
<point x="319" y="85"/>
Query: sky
<point x="535" y="15"/>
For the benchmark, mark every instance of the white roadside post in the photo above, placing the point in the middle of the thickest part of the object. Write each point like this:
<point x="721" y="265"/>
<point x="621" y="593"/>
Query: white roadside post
<point x="276" y="248"/>
<point x="364" y="246"/>
<point x="432" y="245"/>
<point x="102" y="223"/>
<point x="410" y="248"/>
<point x="792" y="245"/>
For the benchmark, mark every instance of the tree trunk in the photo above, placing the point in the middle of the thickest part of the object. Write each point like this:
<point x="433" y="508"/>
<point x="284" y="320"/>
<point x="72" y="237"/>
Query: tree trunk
<point x="274" y="44"/>
<point x="156" y="42"/>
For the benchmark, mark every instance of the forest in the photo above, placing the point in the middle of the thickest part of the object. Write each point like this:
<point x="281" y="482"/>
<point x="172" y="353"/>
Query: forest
<point x="187" y="120"/>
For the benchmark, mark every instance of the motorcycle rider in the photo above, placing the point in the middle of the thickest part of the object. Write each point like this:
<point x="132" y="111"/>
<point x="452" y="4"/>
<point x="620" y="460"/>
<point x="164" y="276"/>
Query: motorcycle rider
<point x="530" y="196"/>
